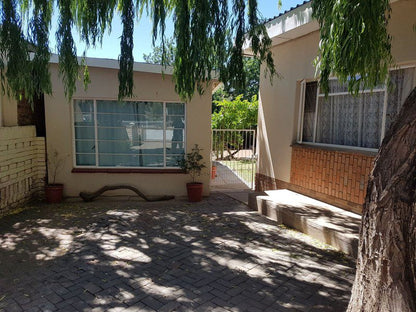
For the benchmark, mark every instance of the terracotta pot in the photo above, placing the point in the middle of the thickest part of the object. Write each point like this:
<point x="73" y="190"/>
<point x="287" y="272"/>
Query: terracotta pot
<point x="213" y="172"/>
<point x="194" y="191"/>
<point x="53" y="193"/>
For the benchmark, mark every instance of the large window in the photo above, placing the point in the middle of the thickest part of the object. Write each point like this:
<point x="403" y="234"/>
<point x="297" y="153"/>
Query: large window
<point x="128" y="134"/>
<point x="344" y="119"/>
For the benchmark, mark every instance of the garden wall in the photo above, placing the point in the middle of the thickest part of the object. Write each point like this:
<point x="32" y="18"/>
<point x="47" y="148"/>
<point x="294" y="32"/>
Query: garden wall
<point x="337" y="177"/>
<point x="22" y="167"/>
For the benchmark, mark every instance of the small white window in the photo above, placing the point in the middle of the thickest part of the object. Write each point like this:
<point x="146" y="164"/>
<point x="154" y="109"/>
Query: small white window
<point x="128" y="134"/>
<point x="358" y="121"/>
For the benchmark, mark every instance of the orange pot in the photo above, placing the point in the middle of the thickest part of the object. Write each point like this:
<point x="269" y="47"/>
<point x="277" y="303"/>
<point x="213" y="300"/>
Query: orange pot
<point x="194" y="190"/>
<point x="213" y="172"/>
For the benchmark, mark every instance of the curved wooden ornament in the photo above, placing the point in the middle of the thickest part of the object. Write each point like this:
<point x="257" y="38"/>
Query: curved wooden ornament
<point x="87" y="196"/>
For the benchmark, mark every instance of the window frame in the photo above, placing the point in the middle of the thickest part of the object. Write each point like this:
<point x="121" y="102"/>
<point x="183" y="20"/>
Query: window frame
<point x="122" y="169"/>
<point x="302" y="84"/>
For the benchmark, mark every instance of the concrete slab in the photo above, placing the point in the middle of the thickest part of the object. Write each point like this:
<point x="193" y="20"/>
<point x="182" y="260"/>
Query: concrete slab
<point x="238" y="194"/>
<point x="329" y="224"/>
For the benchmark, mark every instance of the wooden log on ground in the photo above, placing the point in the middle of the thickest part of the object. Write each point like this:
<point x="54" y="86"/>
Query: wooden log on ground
<point x="87" y="196"/>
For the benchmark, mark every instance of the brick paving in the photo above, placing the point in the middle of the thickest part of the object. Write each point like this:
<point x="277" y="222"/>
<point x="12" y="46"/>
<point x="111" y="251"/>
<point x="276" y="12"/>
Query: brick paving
<point x="170" y="256"/>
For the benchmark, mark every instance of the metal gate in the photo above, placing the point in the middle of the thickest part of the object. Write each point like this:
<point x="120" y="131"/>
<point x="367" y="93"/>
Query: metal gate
<point x="233" y="155"/>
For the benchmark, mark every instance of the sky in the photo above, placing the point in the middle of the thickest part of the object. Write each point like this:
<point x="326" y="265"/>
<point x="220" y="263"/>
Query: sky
<point x="143" y="33"/>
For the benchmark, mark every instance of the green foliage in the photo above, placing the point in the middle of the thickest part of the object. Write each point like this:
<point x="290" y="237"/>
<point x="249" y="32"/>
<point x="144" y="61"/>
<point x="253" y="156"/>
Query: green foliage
<point x="236" y="114"/>
<point x="204" y="33"/>
<point x="355" y="45"/>
<point x="192" y="163"/>
<point x="251" y="68"/>
<point x="158" y="56"/>
<point x="232" y="114"/>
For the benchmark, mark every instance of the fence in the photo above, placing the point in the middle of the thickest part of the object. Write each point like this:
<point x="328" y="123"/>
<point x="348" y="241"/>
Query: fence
<point x="233" y="151"/>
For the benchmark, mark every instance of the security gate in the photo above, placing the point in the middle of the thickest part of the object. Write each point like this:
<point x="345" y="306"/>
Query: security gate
<point x="233" y="154"/>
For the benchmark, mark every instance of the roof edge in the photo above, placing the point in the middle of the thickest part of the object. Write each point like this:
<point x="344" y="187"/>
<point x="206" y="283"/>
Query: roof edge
<point x="114" y="64"/>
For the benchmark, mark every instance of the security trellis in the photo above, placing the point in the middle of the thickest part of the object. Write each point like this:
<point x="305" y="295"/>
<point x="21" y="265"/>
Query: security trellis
<point x="234" y="150"/>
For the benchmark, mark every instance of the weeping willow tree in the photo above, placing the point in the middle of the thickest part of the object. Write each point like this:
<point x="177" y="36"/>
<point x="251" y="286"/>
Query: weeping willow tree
<point x="355" y="46"/>
<point x="209" y="37"/>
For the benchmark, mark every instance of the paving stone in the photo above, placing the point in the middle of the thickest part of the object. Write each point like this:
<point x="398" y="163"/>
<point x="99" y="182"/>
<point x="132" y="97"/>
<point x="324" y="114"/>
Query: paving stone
<point x="152" y="303"/>
<point x="215" y="255"/>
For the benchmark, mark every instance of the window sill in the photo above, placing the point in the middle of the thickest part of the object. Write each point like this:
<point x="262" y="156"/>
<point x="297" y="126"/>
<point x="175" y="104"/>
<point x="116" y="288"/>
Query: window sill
<point x="126" y="170"/>
<point x="338" y="148"/>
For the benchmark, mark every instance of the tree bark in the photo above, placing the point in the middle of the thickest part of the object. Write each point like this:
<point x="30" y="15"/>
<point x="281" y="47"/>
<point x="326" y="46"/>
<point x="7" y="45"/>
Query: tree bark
<point x="386" y="263"/>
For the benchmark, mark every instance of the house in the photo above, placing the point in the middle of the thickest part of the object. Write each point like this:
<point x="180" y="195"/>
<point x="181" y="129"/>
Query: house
<point x="324" y="148"/>
<point x="136" y="141"/>
<point x="95" y="140"/>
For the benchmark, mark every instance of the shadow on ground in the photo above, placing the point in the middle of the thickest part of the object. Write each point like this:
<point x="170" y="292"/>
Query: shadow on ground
<point x="169" y="256"/>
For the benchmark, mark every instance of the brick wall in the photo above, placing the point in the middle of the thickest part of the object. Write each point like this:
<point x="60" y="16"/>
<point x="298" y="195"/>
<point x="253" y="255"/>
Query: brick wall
<point x="22" y="166"/>
<point x="336" y="177"/>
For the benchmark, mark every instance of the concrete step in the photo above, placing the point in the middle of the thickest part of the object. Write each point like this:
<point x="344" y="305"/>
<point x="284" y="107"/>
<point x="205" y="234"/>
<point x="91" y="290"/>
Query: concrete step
<point x="329" y="224"/>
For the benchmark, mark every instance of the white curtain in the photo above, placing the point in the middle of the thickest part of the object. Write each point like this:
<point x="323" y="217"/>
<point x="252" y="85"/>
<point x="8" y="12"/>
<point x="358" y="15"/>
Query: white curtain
<point x="401" y="84"/>
<point x="345" y="119"/>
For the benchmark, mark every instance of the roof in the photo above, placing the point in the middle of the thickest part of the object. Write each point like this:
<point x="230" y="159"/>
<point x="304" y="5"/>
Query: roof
<point x="114" y="64"/>
<point x="287" y="11"/>
<point x="291" y="24"/>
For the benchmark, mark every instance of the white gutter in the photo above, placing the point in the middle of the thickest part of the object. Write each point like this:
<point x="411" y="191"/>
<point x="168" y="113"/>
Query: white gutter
<point x="113" y="64"/>
<point x="291" y="25"/>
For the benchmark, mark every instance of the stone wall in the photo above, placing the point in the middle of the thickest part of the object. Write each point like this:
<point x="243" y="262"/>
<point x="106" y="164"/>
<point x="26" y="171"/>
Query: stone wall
<point x="22" y="167"/>
<point x="336" y="177"/>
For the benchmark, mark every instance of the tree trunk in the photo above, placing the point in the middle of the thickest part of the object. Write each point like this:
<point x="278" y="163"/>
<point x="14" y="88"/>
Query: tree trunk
<point x="386" y="264"/>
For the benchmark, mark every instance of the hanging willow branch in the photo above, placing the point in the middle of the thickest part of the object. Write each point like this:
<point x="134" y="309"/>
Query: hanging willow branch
<point x="209" y="38"/>
<point x="126" y="60"/>
<point x="67" y="52"/>
<point x="39" y="26"/>
<point x="355" y="44"/>
<point x="14" y="49"/>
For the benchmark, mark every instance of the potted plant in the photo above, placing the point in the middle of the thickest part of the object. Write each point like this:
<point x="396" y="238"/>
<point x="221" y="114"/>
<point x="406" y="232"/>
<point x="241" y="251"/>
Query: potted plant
<point x="192" y="164"/>
<point x="54" y="191"/>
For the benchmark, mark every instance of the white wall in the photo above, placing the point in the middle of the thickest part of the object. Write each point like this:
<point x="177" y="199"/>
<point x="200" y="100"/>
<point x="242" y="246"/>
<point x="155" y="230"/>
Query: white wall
<point x="278" y="102"/>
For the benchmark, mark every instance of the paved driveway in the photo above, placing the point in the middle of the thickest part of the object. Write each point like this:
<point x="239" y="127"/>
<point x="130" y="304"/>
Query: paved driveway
<point x="169" y="256"/>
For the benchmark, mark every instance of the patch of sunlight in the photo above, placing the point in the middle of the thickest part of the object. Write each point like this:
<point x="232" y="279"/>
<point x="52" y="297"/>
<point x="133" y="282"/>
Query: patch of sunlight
<point x="150" y="287"/>
<point x="49" y="254"/>
<point x="259" y="227"/>
<point x="123" y="273"/>
<point x="110" y="238"/>
<point x="250" y="268"/>
<point x="227" y="242"/>
<point x="68" y="215"/>
<point x="143" y="243"/>
<point x="43" y="221"/>
<point x="170" y="218"/>
<point x="272" y="255"/>
<point x="102" y="300"/>
<point x="9" y="241"/>
<point x="162" y="241"/>
<point x="62" y="236"/>
<point x="128" y="254"/>
<point x="191" y="228"/>
<point x="124" y="214"/>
